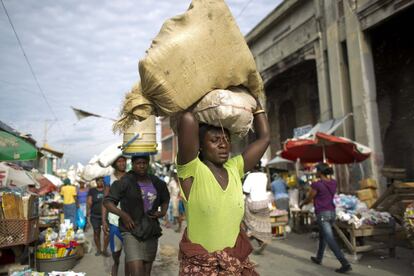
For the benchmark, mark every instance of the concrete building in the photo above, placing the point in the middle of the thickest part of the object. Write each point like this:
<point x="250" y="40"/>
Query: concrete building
<point x="168" y="142"/>
<point x="323" y="59"/>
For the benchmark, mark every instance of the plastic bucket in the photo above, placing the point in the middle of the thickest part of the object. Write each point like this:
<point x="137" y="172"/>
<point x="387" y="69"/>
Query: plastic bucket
<point x="146" y="142"/>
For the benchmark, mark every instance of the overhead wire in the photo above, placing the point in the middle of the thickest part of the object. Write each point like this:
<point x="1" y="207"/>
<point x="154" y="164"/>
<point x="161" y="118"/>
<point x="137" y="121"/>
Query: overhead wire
<point x="244" y="8"/>
<point x="31" y="68"/>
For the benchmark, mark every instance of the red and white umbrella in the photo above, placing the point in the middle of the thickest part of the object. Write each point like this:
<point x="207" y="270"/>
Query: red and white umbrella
<point x="325" y="147"/>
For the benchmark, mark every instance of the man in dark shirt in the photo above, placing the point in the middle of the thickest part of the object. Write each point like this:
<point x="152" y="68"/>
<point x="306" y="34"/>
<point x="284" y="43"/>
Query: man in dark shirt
<point x="139" y="193"/>
<point x="95" y="199"/>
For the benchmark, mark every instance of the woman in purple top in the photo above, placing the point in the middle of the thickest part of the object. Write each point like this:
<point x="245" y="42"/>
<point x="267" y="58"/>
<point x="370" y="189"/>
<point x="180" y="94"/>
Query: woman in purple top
<point x="322" y="194"/>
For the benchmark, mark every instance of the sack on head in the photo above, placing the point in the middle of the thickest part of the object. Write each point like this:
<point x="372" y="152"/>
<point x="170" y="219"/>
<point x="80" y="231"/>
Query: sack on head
<point x="195" y="53"/>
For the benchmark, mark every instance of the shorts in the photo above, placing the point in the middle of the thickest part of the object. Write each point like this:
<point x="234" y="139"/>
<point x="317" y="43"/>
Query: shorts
<point x="136" y="250"/>
<point x="96" y="223"/>
<point x="181" y="209"/>
<point x="282" y="203"/>
<point x="115" y="238"/>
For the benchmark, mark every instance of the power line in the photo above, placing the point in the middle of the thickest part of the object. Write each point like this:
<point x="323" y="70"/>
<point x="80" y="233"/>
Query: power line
<point x="243" y="9"/>
<point x="30" y="66"/>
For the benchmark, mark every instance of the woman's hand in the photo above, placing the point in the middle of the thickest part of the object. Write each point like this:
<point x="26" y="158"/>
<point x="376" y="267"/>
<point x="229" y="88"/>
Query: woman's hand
<point x="128" y="222"/>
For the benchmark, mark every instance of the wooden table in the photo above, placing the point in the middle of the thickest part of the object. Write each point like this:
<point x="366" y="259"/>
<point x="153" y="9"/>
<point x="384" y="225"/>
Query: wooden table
<point x="350" y="240"/>
<point x="302" y="221"/>
<point x="277" y="223"/>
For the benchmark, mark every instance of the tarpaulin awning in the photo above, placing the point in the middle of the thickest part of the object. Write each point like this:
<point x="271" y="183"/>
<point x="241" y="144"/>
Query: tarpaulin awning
<point x="46" y="186"/>
<point x="12" y="175"/>
<point x="327" y="127"/>
<point x="13" y="148"/>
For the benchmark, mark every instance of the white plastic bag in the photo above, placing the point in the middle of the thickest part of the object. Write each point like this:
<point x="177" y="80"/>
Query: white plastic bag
<point x="109" y="155"/>
<point x="230" y="109"/>
<point x="92" y="171"/>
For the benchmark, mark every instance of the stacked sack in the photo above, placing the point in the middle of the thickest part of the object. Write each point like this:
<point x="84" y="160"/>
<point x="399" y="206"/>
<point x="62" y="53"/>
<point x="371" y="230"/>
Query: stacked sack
<point x="199" y="52"/>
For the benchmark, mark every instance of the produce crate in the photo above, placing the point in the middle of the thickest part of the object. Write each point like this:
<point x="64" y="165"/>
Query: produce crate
<point x="18" y="231"/>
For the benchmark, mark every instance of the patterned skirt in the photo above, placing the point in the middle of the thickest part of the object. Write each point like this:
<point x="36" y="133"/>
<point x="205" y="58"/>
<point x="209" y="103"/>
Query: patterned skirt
<point x="257" y="219"/>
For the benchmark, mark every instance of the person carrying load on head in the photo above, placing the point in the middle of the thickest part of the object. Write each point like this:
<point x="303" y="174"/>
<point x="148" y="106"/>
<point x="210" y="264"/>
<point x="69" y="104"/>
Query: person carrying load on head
<point x="213" y="196"/>
<point x="110" y="221"/>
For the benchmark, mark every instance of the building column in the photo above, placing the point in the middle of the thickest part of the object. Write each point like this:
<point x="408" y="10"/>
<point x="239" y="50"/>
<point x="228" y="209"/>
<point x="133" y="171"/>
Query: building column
<point x="322" y="71"/>
<point x="364" y="94"/>
<point x="325" y="105"/>
<point x="338" y="71"/>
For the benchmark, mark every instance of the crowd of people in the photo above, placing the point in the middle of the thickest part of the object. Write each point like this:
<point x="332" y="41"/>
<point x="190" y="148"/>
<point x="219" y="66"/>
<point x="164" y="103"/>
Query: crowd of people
<point x="225" y="210"/>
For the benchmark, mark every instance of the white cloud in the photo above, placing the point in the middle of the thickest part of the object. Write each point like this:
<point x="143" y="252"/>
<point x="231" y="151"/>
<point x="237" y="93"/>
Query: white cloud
<point x="85" y="54"/>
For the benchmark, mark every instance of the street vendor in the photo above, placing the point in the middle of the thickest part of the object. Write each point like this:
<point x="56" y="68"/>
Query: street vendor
<point x="213" y="196"/>
<point x="322" y="193"/>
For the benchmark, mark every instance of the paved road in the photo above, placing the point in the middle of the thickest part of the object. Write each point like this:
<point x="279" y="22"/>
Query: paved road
<point x="282" y="257"/>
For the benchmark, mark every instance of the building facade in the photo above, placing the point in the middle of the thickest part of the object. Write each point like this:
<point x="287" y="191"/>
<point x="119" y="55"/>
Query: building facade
<point x="168" y="142"/>
<point x="323" y="59"/>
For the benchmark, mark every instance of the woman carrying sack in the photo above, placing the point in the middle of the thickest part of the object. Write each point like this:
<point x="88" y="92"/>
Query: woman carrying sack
<point x="213" y="196"/>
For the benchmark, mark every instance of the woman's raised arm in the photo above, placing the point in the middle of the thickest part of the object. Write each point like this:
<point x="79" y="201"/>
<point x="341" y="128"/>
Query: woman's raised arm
<point x="255" y="150"/>
<point x="188" y="143"/>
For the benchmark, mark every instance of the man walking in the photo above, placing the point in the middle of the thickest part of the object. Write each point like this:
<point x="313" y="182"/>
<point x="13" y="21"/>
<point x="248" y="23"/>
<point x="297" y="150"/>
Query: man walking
<point x="141" y="195"/>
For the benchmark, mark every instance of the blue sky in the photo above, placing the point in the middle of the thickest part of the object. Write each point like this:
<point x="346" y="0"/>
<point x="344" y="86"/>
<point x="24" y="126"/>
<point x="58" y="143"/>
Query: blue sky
<point x="85" y="54"/>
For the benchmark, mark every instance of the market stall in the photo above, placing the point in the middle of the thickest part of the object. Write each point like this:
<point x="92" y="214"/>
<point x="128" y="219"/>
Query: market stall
<point x="60" y="250"/>
<point x="356" y="222"/>
<point x="19" y="220"/>
<point x="278" y="221"/>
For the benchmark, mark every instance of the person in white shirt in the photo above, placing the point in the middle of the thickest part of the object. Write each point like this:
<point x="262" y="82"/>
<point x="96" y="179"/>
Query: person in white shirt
<point x="257" y="211"/>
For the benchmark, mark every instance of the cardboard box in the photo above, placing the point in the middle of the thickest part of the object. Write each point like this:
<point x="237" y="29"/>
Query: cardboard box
<point x="367" y="194"/>
<point x="370" y="202"/>
<point x="368" y="183"/>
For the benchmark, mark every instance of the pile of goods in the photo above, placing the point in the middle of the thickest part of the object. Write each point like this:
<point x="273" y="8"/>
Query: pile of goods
<point x="60" y="245"/>
<point x="353" y="211"/>
<point x="18" y="205"/>
<point x="200" y="62"/>
<point x="50" y="207"/>
<point x="27" y="271"/>
<point x="56" y="250"/>
<point x="368" y="191"/>
<point x="409" y="222"/>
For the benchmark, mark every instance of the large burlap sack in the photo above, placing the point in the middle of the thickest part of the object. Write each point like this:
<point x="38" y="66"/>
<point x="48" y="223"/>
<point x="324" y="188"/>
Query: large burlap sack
<point x="195" y="53"/>
<point x="135" y="107"/>
<point x="231" y="109"/>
